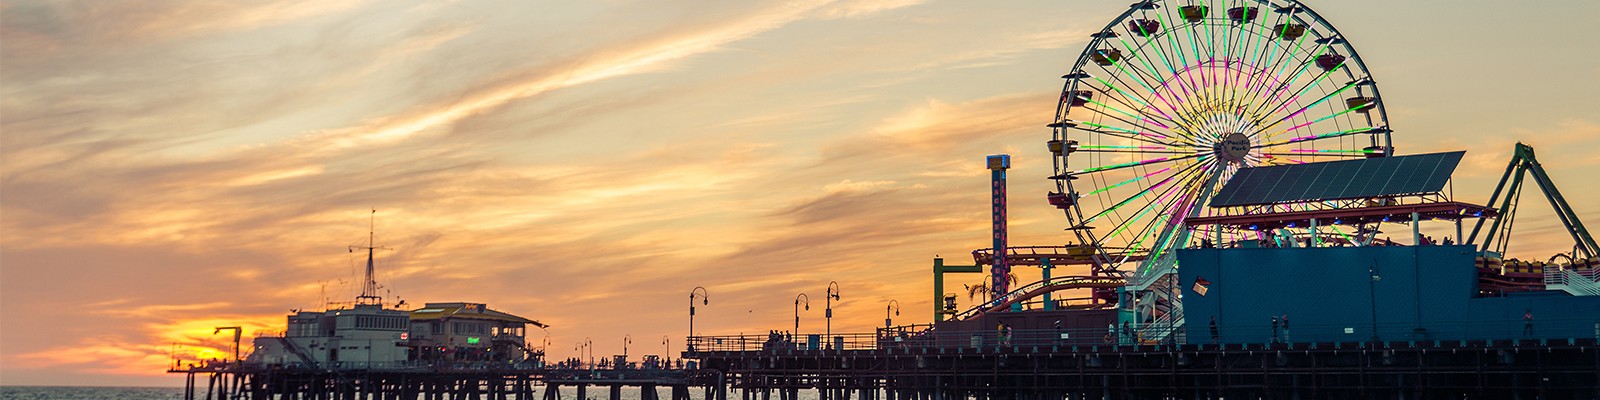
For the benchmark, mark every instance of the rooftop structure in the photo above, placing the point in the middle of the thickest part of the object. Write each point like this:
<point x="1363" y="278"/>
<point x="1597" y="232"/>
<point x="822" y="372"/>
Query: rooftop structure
<point x="1367" y="178"/>
<point x="460" y="331"/>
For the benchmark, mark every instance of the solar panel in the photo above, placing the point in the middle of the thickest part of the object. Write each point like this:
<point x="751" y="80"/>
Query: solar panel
<point x="1337" y="180"/>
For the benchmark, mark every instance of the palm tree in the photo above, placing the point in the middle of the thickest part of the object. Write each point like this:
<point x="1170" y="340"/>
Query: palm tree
<point x="982" y="288"/>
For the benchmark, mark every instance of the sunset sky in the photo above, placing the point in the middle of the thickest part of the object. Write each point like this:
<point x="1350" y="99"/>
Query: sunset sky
<point x="167" y="167"/>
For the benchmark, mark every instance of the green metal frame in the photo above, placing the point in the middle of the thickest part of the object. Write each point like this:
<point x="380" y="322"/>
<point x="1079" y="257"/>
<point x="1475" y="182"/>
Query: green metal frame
<point x="939" y="269"/>
<point x="1522" y="160"/>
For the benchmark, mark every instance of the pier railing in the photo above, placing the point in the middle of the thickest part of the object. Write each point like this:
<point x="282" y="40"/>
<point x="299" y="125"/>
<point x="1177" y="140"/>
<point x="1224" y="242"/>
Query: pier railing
<point x="1255" y="333"/>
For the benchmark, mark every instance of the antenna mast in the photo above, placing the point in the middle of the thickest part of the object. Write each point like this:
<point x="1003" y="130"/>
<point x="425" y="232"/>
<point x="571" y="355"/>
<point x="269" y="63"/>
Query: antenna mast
<point x="369" y="290"/>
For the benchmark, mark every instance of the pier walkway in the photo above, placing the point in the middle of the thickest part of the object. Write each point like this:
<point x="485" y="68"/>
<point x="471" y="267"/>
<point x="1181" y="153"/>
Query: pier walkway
<point x="1032" y="365"/>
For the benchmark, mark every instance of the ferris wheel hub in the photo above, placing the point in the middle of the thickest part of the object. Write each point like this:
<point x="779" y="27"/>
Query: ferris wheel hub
<point x="1234" y="148"/>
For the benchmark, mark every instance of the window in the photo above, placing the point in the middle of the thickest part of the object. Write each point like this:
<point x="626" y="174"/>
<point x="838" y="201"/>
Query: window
<point x="469" y="328"/>
<point x="380" y="322"/>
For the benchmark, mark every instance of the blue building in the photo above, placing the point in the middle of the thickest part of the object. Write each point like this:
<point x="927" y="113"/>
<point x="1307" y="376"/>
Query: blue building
<point x="1356" y="294"/>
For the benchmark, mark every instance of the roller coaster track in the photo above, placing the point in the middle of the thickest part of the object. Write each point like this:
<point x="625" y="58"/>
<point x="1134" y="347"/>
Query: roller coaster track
<point x="1039" y="288"/>
<point x="1058" y="255"/>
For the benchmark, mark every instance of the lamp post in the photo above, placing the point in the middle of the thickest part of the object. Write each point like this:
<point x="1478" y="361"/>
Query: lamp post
<point x="799" y="300"/>
<point x="1372" y="297"/>
<point x="627" y="339"/>
<point x="893" y="305"/>
<point x="704" y="300"/>
<point x="833" y="294"/>
<point x="236" y="332"/>
<point x="589" y="344"/>
<point x="666" y="351"/>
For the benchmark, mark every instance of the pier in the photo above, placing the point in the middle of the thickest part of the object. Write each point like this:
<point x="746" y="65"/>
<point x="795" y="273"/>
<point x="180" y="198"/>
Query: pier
<point x="1051" y="364"/>
<point x="236" y="381"/>
<point x="1029" y="364"/>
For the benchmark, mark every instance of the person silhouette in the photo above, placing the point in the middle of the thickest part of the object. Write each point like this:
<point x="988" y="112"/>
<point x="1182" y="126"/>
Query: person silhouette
<point x="1274" y="329"/>
<point x="1213" y="330"/>
<point x="1285" y="321"/>
<point x="1527" y="322"/>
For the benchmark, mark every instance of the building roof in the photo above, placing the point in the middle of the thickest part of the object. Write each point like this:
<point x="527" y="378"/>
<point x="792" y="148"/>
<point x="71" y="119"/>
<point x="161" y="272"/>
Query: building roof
<point x="1338" y="180"/>
<point x="462" y="310"/>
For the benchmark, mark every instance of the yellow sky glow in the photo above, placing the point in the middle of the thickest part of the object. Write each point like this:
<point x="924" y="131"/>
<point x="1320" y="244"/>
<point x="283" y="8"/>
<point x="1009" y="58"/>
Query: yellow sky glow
<point x="170" y="167"/>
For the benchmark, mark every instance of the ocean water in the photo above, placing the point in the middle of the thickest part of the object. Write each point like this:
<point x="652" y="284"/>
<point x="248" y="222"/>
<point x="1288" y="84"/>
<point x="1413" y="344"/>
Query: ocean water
<point x="170" y="393"/>
<point x="89" y="393"/>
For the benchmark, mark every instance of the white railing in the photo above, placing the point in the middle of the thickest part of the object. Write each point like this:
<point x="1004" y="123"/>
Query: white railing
<point x="1161" y="328"/>
<point x="1579" y="283"/>
<point x="1152" y="272"/>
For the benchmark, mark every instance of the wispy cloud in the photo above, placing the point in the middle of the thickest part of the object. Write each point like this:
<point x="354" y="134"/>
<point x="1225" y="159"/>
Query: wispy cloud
<point x="172" y="167"/>
<point x="647" y="57"/>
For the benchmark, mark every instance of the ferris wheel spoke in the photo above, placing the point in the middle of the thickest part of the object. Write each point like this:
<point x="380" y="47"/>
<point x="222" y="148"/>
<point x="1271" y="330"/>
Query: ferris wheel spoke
<point x="1174" y="225"/>
<point x="1145" y="57"/>
<point x="1152" y="40"/>
<point x="1103" y="189"/>
<point x="1230" y="38"/>
<point x="1151" y="82"/>
<point x="1148" y="207"/>
<point x="1305" y="64"/>
<point x="1160" y="150"/>
<point x="1281" y="84"/>
<point x="1308" y="107"/>
<point x="1137" y="117"/>
<point x="1138" y="53"/>
<point x="1352" y="153"/>
<point x="1179" y="208"/>
<point x="1259" y="41"/>
<point x="1139" y="80"/>
<point x="1120" y="133"/>
<point x="1194" y="45"/>
<point x="1170" y="34"/>
<point x="1161" y="203"/>
<point x="1217" y="48"/>
<point x="1125" y="95"/>
<point x="1324" y="118"/>
<point x="1138" y="131"/>
<point x="1321" y="136"/>
<point x="1284" y="103"/>
<point x="1132" y="164"/>
<point x="1272" y="62"/>
<point x="1270" y="160"/>
<point x="1186" y="171"/>
<point x="1258" y="90"/>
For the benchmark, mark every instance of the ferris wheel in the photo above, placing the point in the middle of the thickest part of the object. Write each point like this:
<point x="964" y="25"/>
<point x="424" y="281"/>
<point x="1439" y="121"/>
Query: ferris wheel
<point x="1171" y="98"/>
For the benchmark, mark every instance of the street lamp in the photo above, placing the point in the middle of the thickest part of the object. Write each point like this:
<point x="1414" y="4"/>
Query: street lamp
<point x="798" y="300"/>
<point x="666" y="351"/>
<point x="704" y="300"/>
<point x="893" y="305"/>
<point x="580" y="349"/>
<point x="626" y="340"/>
<point x="833" y="294"/>
<point x="589" y="344"/>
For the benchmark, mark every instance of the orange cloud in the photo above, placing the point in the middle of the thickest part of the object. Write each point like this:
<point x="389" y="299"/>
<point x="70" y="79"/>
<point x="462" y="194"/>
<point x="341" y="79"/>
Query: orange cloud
<point x="165" y="341"/>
